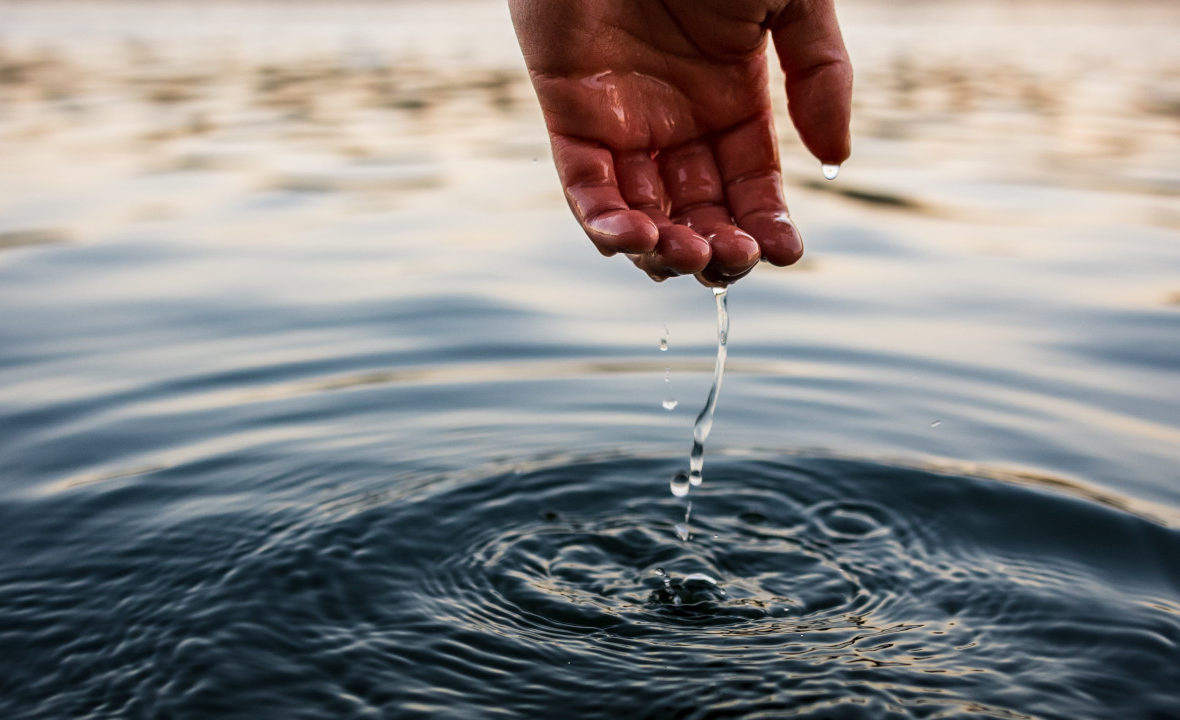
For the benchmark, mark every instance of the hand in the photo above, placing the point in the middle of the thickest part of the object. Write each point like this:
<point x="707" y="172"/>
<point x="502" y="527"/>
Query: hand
<point x="660" y="121"/>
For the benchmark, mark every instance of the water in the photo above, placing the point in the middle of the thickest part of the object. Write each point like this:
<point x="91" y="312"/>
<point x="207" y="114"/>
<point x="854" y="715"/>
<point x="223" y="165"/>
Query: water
<point x="669" y="402"/>
<point x="682" y="529"/>
<point x="682" y="482"/>
<point x="315" y="403"/>
<point x="704" y="422"/>
<point x="830" y="171"/>
<point x="835" y="587"/>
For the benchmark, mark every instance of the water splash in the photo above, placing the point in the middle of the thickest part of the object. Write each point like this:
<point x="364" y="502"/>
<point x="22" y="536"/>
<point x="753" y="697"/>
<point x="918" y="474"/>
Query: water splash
<point x="830" y="171"/>
<point x="692" y="589"/>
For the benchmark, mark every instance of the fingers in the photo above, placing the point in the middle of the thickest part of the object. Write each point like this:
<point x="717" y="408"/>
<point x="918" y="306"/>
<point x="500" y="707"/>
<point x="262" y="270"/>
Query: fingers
<point x="587" y="173"/>
<point x="747" y="157"/>
<point x="712" y="211"/>
<point x="697" y="198"/>
<point x="819" y="77"/>
<point x="680" y="251"/>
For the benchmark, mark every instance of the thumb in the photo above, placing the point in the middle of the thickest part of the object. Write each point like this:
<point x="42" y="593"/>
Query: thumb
<point x="819" y="77"/>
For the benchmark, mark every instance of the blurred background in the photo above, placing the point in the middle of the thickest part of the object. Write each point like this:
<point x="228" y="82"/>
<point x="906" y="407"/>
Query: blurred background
<point x="326" y="192"/>
<point x="1053" y="111"/>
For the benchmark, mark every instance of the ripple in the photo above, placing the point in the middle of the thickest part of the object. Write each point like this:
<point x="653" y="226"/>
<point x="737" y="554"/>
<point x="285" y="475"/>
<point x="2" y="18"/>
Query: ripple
<point x="813" y="587"/>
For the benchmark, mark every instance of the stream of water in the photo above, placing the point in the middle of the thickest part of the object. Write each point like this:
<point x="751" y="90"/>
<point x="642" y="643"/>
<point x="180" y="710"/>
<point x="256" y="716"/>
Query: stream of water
<point x="682" y="482"/>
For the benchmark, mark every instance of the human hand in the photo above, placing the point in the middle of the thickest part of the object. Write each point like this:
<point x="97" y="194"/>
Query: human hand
<point x="660" y="120"/>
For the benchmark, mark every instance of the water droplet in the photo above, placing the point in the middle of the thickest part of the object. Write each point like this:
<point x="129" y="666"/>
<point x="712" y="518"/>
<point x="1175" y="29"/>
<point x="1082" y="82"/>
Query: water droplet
<point x="663" y="344"/>
<point x="682" y="531"/>
<point x="936" y="423"/>
<point x="830" y="171"/>
<point x="679" y="484"/>
<point x="669" y="402"/>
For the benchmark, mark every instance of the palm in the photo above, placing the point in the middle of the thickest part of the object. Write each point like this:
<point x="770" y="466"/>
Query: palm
<point x="659" y="115"/>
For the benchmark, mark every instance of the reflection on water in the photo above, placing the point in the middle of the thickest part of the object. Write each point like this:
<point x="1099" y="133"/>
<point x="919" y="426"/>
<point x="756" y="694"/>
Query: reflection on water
<point x="315" y="401"/>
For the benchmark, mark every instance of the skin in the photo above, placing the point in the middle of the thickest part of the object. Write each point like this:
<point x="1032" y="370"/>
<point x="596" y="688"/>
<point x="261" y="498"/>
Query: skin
<point x="659" y="117"/>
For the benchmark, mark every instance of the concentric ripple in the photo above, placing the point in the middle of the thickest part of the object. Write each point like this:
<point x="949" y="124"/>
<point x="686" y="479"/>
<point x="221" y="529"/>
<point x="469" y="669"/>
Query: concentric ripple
<point x="813" y="587"/>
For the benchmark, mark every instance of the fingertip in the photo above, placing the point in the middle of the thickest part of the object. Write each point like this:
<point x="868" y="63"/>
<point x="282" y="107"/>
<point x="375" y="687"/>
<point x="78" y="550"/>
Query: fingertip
<point x="777" y="236"/>
<point x="734" y="251"/>
<point x="833" y="150"/>
<point x="652" y="269"/>
<point x="627" y="231"/>
<point x="711" y="277"/>
<point x="683" y="251"/>
<point x="820" y="106"/>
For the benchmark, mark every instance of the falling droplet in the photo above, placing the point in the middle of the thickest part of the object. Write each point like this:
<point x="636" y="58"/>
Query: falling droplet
<point x="679" y="484"/>
<point x="681" y="528"/>
<point x="663" y="344"/>
<point x="830" y="171"/>
<point x="936" y="423"/>
<point x="670" y="403"/>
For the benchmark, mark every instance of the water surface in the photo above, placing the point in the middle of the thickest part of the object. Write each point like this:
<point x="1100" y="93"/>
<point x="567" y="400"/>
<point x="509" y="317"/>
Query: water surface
<point x="315" y="403"/>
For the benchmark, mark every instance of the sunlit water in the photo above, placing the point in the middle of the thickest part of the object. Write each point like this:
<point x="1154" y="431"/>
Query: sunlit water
<point x="314" y="403"/>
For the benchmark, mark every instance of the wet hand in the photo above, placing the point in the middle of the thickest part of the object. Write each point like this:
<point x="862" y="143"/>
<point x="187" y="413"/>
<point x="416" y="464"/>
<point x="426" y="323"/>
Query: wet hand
<point x="659" y="116"/>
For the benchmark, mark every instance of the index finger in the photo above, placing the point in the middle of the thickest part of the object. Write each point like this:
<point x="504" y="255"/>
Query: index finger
<point x="819" y="77"/>
<point x="587" y="172"/>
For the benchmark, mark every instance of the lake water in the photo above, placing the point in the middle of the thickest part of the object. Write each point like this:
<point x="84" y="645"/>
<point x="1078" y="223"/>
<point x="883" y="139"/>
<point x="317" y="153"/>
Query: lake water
<point x="315" y="402"/>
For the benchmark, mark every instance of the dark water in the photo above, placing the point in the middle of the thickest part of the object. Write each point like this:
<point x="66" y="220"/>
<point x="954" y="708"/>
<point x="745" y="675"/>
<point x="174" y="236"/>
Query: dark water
<point x="315" y="404"/>
<point x="850" y="589"/>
